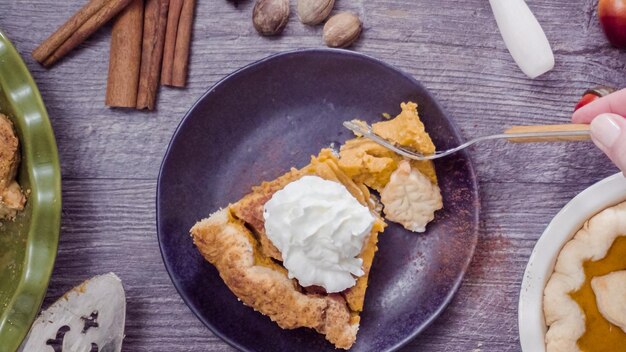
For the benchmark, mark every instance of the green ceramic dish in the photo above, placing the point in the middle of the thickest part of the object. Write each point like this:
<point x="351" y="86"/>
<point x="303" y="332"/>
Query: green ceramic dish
<point x="28" y="245"/>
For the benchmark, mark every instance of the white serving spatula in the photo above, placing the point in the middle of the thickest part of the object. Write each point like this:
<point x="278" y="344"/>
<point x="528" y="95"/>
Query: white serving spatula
<point x="523" y="36"/>
<point x="88" y="318"/>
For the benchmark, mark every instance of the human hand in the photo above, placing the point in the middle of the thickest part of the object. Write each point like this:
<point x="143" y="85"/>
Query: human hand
<point x="608" y="125"/>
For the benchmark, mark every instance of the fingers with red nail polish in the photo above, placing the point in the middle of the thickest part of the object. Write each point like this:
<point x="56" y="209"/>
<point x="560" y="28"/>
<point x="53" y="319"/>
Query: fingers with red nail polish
<point x="608" y="125"/>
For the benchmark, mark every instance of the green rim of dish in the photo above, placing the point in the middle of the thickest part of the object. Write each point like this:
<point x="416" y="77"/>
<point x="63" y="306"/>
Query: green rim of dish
<point x="40" y="173"/>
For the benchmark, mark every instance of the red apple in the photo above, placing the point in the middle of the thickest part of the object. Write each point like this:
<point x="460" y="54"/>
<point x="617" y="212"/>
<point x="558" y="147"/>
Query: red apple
<point x="612" y="15"/>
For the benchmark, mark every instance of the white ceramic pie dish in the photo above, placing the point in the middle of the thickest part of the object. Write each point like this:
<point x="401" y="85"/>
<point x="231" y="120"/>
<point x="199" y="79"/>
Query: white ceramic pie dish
<point x="566" y="223"/>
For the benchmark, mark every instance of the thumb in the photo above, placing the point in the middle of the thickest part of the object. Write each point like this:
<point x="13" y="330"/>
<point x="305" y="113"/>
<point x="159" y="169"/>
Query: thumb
<point x="608" y="132"/>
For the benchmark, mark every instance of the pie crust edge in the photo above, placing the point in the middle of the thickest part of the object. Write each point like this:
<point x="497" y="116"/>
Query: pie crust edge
<point x="564" y="317"/>
<point x="226" y="243"/>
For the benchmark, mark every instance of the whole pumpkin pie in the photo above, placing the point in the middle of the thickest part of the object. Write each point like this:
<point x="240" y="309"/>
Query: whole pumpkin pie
<point x="299" y="249"/>
<point x="585" y="297"/>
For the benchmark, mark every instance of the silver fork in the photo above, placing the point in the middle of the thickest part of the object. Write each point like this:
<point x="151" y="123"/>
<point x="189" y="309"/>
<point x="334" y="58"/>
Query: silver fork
<point x="517" y="134"/>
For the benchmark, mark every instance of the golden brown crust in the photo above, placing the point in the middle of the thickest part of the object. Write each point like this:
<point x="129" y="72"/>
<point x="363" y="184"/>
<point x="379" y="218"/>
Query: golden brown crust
<point x="250" y="209"/>
<point x="226" y="243"/>
<point x="338" y="327"/>
<point x="9" y="155"/>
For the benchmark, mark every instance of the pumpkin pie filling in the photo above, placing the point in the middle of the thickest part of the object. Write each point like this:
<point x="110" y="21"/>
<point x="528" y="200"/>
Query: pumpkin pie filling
<point x="372" y="164"/>
<point x="600" y="335"/>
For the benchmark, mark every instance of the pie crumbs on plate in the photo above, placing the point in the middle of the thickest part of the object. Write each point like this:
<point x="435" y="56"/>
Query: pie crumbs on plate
<point x="237" y="241"/>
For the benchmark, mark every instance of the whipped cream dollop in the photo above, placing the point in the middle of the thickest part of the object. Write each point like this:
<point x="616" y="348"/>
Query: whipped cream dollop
<point x="320" y="229"/>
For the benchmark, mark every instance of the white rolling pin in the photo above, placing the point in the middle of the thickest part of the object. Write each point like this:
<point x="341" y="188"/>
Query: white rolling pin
<point x="523" y="36"/>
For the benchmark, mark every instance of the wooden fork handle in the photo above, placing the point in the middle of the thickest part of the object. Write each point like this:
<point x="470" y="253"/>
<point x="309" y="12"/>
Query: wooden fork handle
<point x="549" y="128"/>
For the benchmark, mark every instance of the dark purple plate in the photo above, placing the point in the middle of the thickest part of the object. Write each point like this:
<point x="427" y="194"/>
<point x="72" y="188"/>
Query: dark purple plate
<point x="274" y="114"/>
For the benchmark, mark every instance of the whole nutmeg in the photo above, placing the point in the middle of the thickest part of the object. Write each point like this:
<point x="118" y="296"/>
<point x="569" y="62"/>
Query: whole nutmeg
<point x="270" y="16"/>
<point x="342" y="30"/>
<point x="313" y="12"/>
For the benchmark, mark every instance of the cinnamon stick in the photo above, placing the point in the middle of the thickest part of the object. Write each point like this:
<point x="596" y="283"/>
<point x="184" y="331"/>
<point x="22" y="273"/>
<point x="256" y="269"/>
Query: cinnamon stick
<point x="173" y="18"/>
<point x="155" y="21"/>
<point x="57" y="38"/>
<point x="183" y="43"/>
<point x="79" y="27"/>
<point x="125" y="57"/>
<point x="175" y="63"/>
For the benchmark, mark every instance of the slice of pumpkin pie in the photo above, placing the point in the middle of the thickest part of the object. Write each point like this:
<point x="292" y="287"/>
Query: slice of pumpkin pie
<point x="316" y="278"/>
<point x="299" y="248"/>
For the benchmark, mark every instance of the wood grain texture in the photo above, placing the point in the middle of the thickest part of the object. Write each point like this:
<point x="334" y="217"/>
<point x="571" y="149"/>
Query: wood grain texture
<point x="110" y="158"/>
<point x="582" y="130"/>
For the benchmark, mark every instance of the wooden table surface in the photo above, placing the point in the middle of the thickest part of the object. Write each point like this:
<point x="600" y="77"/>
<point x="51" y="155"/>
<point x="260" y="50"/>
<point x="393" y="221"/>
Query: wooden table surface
<point x="110" y="158"/>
